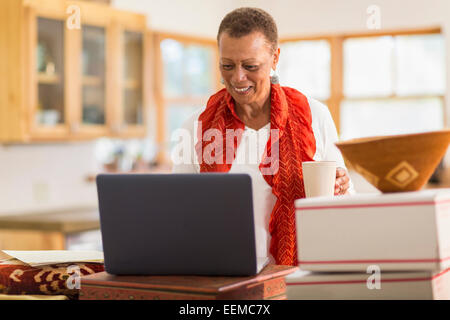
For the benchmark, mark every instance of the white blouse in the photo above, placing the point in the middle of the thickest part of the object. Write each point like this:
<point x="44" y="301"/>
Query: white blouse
<point x="254" y="141"/>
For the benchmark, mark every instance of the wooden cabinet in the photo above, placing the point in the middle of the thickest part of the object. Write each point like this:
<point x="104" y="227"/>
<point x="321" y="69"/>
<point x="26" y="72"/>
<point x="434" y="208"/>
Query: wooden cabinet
<point x="74" y="70"/>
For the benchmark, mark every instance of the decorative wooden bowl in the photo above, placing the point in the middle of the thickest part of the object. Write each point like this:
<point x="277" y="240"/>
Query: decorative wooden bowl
<point x="396" y="163"/>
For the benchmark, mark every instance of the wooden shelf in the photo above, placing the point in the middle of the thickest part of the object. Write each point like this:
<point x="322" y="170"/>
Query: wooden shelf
<point x="131" y="84"/>
<point x="44" y="78"/>
<point x="92" y="81"/>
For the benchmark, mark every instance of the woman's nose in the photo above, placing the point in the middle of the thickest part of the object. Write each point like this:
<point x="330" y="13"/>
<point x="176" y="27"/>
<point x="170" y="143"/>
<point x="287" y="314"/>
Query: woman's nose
<point x="239" y="75"/>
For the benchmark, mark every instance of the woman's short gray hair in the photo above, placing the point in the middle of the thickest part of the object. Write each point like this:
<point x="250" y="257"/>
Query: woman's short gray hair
<point x="243" y="21"/>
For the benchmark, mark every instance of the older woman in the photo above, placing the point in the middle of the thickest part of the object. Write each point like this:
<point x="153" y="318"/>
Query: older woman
<point x="278" y="126"/>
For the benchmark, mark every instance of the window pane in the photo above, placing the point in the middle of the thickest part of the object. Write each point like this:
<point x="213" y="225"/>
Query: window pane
<point x="93" y="74"/>
<point x="198" y="67"/>
<point x="132" y="91"/>
<point x="387" y="117"/>
<point x="93" y="105"/>
<point x="172" y="53"/>
<point x="420" y="64"/>
<point x="50" y="68"/>
<point x="134" y="48"/>
<point x="368" y="66"/>
<point x="176" y="116"/>
<point x="187" y="69"/>
<point x="305" y="66"/>
<point x="133" y="111"/>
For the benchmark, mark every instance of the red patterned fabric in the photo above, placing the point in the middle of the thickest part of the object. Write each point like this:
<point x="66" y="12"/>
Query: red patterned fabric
<point x="17" y="277"/>
<point x="291" y="114"/>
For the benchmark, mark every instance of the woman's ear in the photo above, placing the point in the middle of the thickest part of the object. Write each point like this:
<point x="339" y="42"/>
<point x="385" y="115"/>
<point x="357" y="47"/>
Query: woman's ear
<point x="276" y="57"/>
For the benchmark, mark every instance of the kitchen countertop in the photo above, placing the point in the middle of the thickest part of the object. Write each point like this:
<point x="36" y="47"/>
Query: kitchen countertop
<point x="65" y="221"/>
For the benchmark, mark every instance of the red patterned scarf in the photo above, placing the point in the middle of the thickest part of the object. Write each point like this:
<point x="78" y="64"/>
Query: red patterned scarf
<point x="291" y="115"/>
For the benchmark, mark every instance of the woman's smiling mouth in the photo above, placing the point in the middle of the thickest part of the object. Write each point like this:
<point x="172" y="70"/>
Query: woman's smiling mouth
<point x="243" y="90"/>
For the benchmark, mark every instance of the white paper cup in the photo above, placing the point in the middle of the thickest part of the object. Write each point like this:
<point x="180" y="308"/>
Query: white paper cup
<point x="319" y="178"/>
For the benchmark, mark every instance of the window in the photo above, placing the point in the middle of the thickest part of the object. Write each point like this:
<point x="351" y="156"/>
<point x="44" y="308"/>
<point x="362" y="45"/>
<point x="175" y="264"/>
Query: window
<point x="368" y="67"/>
<point x="392" y="85"/>
<point x="305" y="66"/>
<point x="366" y="118"/>
<point x="373" y="84"/>
<point x="189" y="76"/>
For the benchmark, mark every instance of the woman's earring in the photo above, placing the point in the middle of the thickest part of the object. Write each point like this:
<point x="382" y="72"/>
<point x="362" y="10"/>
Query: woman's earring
<point x="222" y="81"/>
<point x="274" y="78"/>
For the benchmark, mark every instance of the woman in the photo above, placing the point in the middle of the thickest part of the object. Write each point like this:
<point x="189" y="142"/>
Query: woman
<point x="268" y="122"/>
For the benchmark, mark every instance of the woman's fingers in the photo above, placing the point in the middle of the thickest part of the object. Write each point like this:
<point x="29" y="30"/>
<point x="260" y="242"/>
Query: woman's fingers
<point x="340" y="172"/>
<point x="342" y="181"/>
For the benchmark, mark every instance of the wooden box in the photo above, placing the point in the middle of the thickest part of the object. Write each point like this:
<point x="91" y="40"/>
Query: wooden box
<point x="268" y="284"/>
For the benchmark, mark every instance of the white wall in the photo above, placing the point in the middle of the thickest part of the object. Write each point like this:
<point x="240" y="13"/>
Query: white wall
<point x="195" y="17"/>
<point x="295" y="17"/>
<point x="41" y="177"/>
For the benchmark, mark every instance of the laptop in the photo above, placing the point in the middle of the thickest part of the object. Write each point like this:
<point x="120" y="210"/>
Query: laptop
<point x="178" y="224"/>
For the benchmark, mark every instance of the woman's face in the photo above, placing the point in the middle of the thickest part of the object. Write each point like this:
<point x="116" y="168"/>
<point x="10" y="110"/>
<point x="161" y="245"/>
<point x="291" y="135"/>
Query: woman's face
<point x="245" y="65"/>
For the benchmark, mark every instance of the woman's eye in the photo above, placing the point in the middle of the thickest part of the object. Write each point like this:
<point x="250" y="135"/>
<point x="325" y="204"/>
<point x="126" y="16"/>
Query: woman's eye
<point x="227" y="66"/>
<point x="251" y="67"/>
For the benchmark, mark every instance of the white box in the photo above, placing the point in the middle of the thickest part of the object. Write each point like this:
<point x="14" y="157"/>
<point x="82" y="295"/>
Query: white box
<point x="424" y="285"/>
<point x="396" y="231"/>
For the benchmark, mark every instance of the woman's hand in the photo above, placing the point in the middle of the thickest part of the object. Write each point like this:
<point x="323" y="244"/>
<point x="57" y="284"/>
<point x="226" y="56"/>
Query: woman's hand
<point x="342" y="182"/>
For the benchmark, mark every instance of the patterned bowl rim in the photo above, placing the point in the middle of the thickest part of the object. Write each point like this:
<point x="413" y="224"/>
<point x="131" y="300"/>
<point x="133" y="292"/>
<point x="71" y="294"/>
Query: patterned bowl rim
<point x="390" y="137"/>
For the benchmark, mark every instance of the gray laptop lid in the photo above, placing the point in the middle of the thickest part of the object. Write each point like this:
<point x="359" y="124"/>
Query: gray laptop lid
<point x="191" y="224"/>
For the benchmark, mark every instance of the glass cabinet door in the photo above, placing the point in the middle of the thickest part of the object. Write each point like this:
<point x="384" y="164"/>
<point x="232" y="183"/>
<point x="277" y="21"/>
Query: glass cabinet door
<point x="93" y="75"/>
<point x="50" y="73"/>
<point x="133" y="75"/>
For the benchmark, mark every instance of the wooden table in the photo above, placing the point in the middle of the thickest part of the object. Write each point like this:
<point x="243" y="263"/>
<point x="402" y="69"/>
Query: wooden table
<point x="45" y="231"/>
<point x="268" y="284"/>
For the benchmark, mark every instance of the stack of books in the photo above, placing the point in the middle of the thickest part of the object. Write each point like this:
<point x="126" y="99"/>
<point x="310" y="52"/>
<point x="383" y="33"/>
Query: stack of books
<point x="373" y="246"/>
